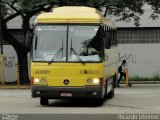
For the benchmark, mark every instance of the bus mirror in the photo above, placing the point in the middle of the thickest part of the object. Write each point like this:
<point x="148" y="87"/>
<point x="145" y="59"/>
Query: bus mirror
<point x="28" y="39"/>
<point x="108" y="43"/>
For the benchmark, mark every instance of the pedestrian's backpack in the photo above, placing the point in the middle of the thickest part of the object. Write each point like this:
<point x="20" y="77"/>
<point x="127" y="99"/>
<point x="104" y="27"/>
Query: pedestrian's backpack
<point x="120" y="68"/>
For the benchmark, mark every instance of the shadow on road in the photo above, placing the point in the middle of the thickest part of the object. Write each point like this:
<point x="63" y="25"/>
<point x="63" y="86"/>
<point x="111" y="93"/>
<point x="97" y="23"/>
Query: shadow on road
<point x="73" y="103"/>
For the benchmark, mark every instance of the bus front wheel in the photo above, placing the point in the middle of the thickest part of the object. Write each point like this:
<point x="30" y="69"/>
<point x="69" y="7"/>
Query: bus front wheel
<point x="111" y="93"/>
<point x="43" y="101"/>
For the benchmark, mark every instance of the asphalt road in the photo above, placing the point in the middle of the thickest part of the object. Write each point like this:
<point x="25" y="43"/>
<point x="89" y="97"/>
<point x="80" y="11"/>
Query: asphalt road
<point x="136" y="99"/>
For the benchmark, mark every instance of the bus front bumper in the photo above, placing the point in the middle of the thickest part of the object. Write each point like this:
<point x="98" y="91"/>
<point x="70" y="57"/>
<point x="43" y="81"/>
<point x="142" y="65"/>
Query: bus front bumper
<point x="93" y="92"/>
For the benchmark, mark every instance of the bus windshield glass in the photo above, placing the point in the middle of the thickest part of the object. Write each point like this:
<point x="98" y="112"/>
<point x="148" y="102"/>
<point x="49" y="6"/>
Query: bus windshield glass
<point x="72" y="43"/>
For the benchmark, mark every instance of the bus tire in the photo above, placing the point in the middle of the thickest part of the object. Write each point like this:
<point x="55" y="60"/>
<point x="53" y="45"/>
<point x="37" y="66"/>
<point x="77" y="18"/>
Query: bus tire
<point x="111" y="93"/>
<point x="43" y="101"/>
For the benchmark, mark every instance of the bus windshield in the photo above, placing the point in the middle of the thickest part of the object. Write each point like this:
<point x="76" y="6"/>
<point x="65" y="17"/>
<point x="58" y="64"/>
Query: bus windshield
<point x="67" y="43"/>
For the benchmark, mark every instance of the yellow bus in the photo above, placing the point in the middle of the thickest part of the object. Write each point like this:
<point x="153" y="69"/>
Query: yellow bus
<point x="74" y="55"/>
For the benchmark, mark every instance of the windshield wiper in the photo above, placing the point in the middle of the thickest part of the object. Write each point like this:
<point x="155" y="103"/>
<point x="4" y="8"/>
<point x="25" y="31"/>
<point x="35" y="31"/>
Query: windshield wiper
<point x="77" y="56"/>
<point x="72" y="49"/>
<point x="58" y="52"/>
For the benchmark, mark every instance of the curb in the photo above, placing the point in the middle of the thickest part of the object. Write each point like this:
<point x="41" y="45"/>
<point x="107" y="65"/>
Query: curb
<point x="143" y="82"/>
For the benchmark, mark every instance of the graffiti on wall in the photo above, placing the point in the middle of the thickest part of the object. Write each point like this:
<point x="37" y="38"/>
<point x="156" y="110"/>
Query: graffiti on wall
<point x="9" y="61"/>
<point x="130" y="57"/>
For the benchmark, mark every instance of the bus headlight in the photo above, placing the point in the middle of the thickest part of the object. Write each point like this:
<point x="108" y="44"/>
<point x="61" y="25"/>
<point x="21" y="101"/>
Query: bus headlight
<point x="36" y="80"/>
<point x="43" y="81"/>
<point x="96" y="81"/>
<point x="40" y="81"/>
<point x="89" y="81"/>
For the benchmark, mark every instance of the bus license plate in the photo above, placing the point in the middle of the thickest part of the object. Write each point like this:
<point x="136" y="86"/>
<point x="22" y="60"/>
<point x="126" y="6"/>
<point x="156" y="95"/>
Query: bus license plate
<point x="66" y="94"/>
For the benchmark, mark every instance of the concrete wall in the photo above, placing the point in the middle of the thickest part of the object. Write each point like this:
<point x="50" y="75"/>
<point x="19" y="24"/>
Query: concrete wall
<point x="10" y="61"/>
<point x="143" y="59"/>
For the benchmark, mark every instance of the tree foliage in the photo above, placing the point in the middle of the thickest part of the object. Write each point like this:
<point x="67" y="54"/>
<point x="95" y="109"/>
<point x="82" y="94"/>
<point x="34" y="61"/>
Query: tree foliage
<point x="155" y="4"/>
<point x="126" y="10"/>
<point x="123" y="9"/>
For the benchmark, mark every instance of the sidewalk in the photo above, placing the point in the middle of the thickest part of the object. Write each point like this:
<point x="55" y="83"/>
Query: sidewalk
<point x="142" y="82"/>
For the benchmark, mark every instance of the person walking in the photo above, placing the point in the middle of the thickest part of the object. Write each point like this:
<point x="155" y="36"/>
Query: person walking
<point x="122" y="71"/>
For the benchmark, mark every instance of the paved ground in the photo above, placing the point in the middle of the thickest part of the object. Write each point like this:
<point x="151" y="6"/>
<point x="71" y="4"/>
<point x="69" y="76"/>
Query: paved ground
<point x="137" y="99"/>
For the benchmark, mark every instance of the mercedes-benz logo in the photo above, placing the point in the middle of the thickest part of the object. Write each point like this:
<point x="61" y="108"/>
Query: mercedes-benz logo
<point x="66" y="82"/>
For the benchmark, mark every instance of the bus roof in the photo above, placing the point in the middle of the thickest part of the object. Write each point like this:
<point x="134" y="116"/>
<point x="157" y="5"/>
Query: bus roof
<point x="73" y="14"/>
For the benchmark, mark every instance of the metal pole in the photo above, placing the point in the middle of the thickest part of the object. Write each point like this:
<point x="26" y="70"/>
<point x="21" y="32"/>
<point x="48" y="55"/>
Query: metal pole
<point x="1" y="43"/>
<point x="17" y="68"/>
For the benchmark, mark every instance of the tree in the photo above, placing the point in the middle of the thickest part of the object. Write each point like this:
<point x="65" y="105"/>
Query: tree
<point x="26" y="9"/>
<point x="125" y="10"/>
<point x="155" y="4"/>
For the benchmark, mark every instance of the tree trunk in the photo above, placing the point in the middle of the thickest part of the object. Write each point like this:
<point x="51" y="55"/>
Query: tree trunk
<point x="21" y="51"/>
<point x="23" y="66"/>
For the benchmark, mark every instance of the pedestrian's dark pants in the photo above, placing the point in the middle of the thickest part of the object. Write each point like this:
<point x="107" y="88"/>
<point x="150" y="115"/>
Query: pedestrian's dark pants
<point x="121" y="75"/>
